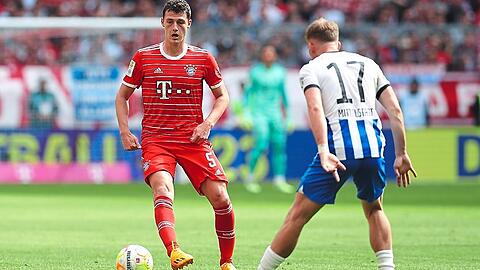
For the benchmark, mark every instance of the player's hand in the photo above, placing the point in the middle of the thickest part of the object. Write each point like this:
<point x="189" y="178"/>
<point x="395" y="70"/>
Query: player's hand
<point x="129" y="141"/>
<point x="237" y="108"/>
<point x="244" y="117"/>
<point x="245" y="123"/>
<point x="201" y="132"/>
<point x="402" y="167"/>
<point x="330" y="163"/>
<point x="290" y="125"/>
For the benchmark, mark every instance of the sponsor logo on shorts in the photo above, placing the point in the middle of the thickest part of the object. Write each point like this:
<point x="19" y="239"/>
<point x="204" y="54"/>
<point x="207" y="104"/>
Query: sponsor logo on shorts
<point x="146" y="164"/>
<point x="218" y="172"/>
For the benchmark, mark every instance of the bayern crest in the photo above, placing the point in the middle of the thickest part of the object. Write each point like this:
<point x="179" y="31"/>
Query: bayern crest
<point x="190" y="69"/>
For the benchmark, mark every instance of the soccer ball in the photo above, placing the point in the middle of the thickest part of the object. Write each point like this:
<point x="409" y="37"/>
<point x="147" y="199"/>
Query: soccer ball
<point x="134" y="257"/>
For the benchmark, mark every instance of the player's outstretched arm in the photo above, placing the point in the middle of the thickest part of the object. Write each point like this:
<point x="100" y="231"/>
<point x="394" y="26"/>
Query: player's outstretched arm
<point x="129" y="141"/>
<point x="286" y="107"/>
<point x="318" y="124"/>
<point x="402" y="164"/>
<point x="222" y="99"/>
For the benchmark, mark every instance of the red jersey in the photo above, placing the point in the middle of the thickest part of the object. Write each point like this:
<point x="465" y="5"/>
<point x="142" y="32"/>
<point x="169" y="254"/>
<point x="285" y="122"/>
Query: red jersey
<point x="172" y="90"/>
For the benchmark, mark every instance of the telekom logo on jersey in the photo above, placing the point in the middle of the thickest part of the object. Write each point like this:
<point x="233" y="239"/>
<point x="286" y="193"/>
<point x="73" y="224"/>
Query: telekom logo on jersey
<point x="164" y="88"/>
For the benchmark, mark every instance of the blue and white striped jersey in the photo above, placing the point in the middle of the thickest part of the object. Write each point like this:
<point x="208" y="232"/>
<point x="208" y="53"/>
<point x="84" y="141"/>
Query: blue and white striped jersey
<point x="349" y="85"/>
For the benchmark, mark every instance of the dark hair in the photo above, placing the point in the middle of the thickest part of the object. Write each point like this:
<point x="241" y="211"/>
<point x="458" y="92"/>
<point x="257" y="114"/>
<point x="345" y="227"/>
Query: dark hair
<point x="177" y="6"/>
<point x="266" y="46"/>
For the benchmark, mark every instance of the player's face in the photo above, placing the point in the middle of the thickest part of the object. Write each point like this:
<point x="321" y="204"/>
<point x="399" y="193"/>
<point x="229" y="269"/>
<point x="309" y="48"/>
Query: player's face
<point x="175" y="26"/>
<point x="269" y="55"/>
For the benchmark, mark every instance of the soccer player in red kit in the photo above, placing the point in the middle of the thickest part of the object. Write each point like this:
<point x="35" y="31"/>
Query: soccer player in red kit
<point x="171" y="76"/>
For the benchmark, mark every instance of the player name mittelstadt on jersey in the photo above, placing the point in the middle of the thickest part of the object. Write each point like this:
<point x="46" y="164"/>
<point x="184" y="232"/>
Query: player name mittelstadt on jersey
<point x="356" y="112"/>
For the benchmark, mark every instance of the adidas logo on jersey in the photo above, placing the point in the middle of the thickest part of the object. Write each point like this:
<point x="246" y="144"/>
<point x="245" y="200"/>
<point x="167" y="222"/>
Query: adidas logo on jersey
<point x="158" y="70"/>
<point x="218" y="172"/>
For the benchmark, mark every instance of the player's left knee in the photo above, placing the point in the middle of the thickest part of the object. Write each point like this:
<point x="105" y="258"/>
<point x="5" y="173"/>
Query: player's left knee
<point x="375" y="210"/>
<point x="296" y="218"/>
<point x="217" y="195"/>
<point x="220" y="200"/>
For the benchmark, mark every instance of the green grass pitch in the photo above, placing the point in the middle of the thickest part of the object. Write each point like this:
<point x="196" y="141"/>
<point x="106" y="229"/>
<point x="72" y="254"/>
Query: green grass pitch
<point x="83" y="227"/>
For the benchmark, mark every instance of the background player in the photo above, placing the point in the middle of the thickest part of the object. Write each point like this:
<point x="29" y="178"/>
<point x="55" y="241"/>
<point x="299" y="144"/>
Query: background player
<point x="43" y="107"/>
<point x="340" y="89"/>
<point x="267" y="105"/>
<point x="171" y="75"/>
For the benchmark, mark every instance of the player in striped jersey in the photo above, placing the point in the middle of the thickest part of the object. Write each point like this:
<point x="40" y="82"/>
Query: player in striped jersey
<point x="341" y="89"/>
<point x="171" y="76"/>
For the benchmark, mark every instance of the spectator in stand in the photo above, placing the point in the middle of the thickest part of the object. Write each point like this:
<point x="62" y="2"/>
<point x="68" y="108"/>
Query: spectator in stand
<point x="460" y="11"/>
<point x="414" y="105"/>
<point x="43" y="107"/>
<point x="467" y="54"/>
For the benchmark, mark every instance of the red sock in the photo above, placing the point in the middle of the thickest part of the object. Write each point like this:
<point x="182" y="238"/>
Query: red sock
<point x="225" y="227"/>
<point x="165" y="220"/>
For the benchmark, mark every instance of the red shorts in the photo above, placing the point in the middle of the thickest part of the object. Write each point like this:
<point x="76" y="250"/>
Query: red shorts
<point x="197" y="160"/>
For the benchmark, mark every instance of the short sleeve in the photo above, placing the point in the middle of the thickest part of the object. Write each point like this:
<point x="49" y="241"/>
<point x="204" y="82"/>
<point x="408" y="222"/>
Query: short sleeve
<point x="382" y="81"/>
<point x="213" y="77"/>
<point x="134" y="75"/>
<point x="308" y="78"/>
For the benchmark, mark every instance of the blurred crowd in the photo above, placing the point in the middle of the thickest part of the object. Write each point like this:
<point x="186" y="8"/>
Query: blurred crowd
<point x="399" y="31"/>
<point x="435" y="12"/>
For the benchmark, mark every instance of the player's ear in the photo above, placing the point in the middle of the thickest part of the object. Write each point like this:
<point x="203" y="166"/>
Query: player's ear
<point x="189" y="23"/>
<point x="311" y="48"/>
<point x="161" y="22"/>
<point x="339" y="45"/>
<point x="310" y="44"/>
